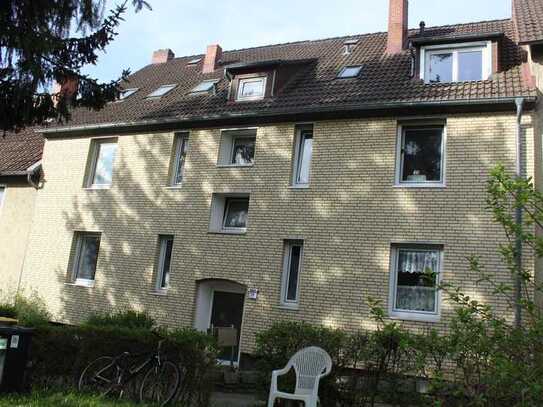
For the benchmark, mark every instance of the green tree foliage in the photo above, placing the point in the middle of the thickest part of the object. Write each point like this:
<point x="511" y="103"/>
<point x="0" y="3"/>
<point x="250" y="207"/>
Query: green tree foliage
<point x="42" y="41"/>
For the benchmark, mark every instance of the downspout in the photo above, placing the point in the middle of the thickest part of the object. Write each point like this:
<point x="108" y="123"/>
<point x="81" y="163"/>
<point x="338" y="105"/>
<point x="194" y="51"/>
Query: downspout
<point x="518" y="218"/>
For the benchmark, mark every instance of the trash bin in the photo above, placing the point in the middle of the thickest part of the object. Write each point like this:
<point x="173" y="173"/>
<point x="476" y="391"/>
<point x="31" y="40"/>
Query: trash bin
<point x="14" y="358"/>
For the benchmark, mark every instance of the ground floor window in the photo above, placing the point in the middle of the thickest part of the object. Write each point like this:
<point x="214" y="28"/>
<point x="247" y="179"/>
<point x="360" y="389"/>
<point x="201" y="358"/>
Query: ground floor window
<point x="164" y="262"/>
<point x="85" y="257"/>
<point x="414" y="279"/>
<point x="292" y="266"/>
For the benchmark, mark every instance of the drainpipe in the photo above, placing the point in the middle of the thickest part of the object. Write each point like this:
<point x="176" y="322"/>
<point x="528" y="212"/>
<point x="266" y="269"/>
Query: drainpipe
<point x="518" y="217"/>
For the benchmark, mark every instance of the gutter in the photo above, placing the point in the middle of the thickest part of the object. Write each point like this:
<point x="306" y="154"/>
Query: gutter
<point x="518" y="218"/>
<point x="354" y="108"/>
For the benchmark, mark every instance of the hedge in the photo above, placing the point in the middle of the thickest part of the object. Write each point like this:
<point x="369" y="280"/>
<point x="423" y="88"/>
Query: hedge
<point x="60" y="353"/>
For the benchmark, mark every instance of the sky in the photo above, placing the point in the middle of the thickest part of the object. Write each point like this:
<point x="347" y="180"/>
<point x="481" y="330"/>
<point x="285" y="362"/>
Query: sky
<point x="187" y="27"/>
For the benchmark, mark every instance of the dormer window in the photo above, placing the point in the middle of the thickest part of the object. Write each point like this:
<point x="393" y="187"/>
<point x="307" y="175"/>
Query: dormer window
<point x="350" y="72"/>
<point x="205" y="86"/>
<point x="456" y="63"/>
<point x="251" y="88"/>
<point x="161" y="91"/>
<point x="127" y="92"/>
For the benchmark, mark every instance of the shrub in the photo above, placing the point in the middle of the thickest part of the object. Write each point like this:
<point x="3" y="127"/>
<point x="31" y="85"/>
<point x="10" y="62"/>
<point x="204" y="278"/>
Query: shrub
<point x="8" y="311"/>
<point x="126" y="319"/>
<point x="29" y="311"/>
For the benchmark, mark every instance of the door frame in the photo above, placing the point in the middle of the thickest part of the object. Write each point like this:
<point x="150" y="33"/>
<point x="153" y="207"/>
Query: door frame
<point x="212" y="298"/>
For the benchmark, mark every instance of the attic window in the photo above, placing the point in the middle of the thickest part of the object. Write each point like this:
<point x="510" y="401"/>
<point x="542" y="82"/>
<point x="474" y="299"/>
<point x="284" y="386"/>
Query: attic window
<point x="126" y="93"/>
<point x="205" y="86"/>
<point x="194" y="61"/>
<point x="349" y="46"/>
<point x="161" y="91"/>
<point x="350" y="72"/>
<point x="252" y="88"/>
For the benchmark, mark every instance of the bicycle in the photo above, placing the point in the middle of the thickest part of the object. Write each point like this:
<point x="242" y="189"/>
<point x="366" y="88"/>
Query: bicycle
<point x="112" y="375"/>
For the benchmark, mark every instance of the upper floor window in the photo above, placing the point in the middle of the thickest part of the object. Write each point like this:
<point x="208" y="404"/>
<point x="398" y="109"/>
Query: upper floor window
<point x="251" y="88"/>
<point x="161" y="91"/>
<point x="181" y="143"/>
<point x="164" y="261"/>
<point x="102" y="156"/>
<point x="85" y="257"/>
<point x="237" y="148"/>
<point x="414" y="281"/>
<point x="456" y="63"/>
<point x="420" y="156"/>
<point x="229" y="213"/>
<point x="292" y="266"/>
<point x="350" y="72"/>
<point x="303" y="153"/>
<point x="126" y="93"/>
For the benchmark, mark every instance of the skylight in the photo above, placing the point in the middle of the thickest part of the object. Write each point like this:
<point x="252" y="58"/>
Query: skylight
<point x="194" y="61"/>
<point x="127" y="92"/>
<point x="204" y="86"/>
<point x="350" y="72"/>
<point x="161" y="91"/>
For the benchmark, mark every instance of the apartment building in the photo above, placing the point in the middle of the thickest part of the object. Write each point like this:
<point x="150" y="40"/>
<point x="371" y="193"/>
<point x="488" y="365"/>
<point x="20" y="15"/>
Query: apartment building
<point x="292" y="181"/>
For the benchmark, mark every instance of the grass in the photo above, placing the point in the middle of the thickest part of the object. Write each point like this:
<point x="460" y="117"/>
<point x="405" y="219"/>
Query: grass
<point x="69" y="399"/>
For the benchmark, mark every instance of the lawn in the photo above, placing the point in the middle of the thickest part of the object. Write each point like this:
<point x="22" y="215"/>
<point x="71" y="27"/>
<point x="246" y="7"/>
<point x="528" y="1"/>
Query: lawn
<point x="62" y="400"/>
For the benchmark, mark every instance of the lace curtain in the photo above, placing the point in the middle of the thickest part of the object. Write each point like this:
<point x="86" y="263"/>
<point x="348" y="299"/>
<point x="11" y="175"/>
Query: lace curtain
<point x="415" y="292"/>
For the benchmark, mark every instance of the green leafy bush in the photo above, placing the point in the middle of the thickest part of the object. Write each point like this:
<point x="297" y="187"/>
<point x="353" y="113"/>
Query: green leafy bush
<point x="29" y="310"/>
<point x="126" y="319"/>
<point x="8" y="311"/>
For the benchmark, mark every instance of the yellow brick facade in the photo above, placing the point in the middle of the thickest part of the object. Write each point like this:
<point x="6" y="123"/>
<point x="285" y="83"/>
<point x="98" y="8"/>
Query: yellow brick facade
<point x="16" y="214"/>
<point x="348" y="218"/>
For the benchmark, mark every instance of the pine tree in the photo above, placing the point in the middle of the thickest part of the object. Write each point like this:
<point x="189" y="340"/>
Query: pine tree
<point x="47" y="41"/>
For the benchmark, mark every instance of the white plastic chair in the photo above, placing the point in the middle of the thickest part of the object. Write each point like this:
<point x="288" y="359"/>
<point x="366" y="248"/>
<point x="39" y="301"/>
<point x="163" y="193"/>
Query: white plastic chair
<point x="310" y="365"/>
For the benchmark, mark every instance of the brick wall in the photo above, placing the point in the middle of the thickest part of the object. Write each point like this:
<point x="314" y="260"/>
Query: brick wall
<point x="15" y="219"/>
<point x="348" y="219"/>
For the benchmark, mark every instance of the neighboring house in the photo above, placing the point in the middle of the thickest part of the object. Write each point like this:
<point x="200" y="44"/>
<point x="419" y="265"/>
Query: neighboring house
<point x="20" y="172"/>
<point x="292" y="181"/>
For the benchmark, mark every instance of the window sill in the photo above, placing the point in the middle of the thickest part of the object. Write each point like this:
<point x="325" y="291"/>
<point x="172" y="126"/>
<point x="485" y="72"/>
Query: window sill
<point x="97" y="188"/>
<point x="289" y="307"/>
<point x="235" y="165"/>
<point x="159" y="293"/>
<point x="174" y="187"/>
<point x="81" y="284"/>
<point x="300" y="186"/>
<point x="421" y="185"/>
<point x="413" y="316"/>
<point x="229" y="232"/>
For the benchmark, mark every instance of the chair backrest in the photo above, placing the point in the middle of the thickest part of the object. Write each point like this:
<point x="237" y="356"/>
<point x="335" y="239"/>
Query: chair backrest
<point x="310" y="365"/>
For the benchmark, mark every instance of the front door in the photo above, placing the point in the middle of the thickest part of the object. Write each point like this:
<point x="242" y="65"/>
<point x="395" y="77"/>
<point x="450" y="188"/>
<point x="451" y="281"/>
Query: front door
<point x="227" y="311"/>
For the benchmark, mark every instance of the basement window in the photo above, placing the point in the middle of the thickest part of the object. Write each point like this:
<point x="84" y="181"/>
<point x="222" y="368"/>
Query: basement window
<point x="350" y="72"/>
<point x="161" y="91"/>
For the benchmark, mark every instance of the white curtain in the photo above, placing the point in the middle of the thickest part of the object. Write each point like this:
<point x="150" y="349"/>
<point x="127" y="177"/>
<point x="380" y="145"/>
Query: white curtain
<point x="416" y="293"/>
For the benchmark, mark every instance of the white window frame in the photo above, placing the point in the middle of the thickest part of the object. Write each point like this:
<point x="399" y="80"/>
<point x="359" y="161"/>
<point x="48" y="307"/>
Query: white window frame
<point x="228" y="201"/>
<point x="241" y="81"/>
<point x="129" y="91"/>
<point x="232" y="151"/>
<point x="181" y="139"/>
<point x="422" y="316"/>
<point x="94" y="155"/>
<point x="298" y="156"/>
<point x="80" y="236"/>
<point x="226" y="147"/>
<point x="400" y="157"/>
<point x="3" y="197"/>
<point x="342" y="72"/>
<point x="162" y="242"/>
<point x="170" y="87"/>
<point x="285" y="276"/>
<point x="427" y="51"/>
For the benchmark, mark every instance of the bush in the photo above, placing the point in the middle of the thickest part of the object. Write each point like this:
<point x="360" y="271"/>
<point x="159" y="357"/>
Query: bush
<point x="29" y="311"/>
<point x="125" y="319"/>
<point x="8" y="311"/>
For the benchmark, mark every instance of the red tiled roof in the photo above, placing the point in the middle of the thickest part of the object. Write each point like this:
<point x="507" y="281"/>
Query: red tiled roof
<point x="19" y="151"/>
<point x="384" y="80"/>
<point x="529" y="17"/>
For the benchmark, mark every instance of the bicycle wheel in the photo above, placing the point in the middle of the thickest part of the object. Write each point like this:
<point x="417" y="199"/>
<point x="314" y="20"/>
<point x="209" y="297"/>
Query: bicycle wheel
<point x="160" y="383"/>
<point x="100" y="376"/>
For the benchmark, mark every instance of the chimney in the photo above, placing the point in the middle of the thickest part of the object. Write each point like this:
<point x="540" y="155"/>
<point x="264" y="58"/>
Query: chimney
<point x="162" y="55"/>
<point x="65" y="88"/>
<point x="397" y="26"/>
<point x="212" y="58"/>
